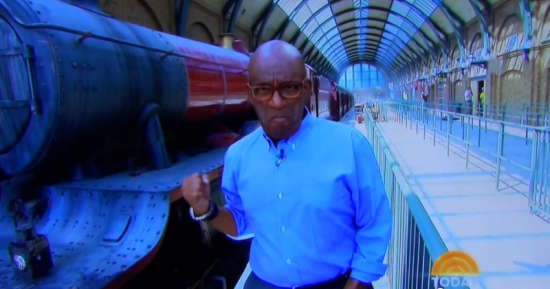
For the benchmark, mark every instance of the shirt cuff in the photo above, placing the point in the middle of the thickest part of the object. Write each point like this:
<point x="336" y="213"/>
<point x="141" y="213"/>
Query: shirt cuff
<point x="240" y="222"/>
<point x="363" y="277"/>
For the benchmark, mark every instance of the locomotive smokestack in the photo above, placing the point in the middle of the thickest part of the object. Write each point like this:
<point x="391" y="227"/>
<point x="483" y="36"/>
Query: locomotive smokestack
<point x="226" y="40"/>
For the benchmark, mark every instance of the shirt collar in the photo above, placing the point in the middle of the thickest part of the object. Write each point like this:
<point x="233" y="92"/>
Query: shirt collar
<point x="295" y="140"/>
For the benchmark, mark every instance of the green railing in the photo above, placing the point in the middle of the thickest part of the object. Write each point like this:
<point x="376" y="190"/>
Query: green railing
<point x="415" y="243"/>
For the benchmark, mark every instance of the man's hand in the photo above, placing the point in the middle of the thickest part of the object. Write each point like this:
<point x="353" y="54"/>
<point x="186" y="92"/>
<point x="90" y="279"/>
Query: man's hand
<point x="354" y="284"/>
<point x="196" y="191"/>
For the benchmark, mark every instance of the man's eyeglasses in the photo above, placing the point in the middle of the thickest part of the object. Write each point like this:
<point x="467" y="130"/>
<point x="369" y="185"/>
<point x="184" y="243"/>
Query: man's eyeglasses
<point x="287" y="90"/>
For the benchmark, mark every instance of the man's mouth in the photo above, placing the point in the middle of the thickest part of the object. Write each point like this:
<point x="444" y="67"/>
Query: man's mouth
<point x="279" y="119"/>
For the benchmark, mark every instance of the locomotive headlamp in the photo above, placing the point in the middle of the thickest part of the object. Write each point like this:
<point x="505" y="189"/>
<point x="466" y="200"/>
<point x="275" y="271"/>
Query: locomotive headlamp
<point x="19" y="262"/>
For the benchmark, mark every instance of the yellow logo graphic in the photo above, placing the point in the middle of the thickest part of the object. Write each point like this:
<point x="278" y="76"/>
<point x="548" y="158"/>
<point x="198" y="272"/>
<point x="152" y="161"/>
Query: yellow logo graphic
<point x="454" y="269"/>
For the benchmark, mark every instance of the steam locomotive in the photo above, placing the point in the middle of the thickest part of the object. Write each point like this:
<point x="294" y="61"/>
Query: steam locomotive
<point x="99" y="121"/>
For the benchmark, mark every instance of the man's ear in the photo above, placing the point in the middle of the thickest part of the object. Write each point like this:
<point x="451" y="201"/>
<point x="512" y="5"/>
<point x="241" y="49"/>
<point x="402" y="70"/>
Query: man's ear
<point x="307" y="85"/>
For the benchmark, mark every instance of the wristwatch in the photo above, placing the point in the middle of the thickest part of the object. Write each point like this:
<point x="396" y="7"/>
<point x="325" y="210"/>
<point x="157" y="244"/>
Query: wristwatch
<point x="210" y="215"/>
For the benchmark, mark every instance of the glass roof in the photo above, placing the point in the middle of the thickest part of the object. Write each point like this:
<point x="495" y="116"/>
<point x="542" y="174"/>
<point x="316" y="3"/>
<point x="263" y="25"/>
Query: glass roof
<point x="407" y="31"/>
<point x="301" y="11"/>
<point x="361" y="11"/>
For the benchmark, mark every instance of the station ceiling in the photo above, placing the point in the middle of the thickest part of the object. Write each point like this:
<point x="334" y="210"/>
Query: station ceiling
<point x="333" y="34"/>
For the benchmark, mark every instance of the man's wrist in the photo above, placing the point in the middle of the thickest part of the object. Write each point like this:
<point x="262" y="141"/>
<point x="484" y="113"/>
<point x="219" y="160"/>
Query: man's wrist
<point x="209" y="215"/>
<point x="197" y="211"/>
<point x="201" y="213"/>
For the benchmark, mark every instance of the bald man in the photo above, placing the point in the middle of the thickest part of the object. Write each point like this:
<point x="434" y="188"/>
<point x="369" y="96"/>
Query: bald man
<point x="309" y="189"/>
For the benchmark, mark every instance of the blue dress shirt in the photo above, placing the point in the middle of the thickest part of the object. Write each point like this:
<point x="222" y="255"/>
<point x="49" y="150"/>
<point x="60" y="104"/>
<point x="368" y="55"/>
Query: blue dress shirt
<point x="320" y="213"/>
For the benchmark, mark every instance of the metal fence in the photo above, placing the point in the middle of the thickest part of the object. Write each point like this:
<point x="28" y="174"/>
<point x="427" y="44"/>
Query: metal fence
<point x="518" y="153"/>
<point x="520" y="113"/>
<point x="415" y="243"/>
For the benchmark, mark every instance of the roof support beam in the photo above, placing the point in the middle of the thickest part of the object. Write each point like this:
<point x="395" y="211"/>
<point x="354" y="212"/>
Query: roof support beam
<point x="281" y="30"/>
<point x="356" y="58"/>
<point x="485" y="5"/>
<point x="230" y="13"/>
<point x="357" y="46"/>
<point x="370" y="28"/>
<point x="353" y="36"/>
<point x="484" y="28"/>
<point x="459" y="29"/>
<point x="387" y="62"/>
<point x="427" y="48"/>
<point x="181" y="16"/>
<point x="424" y="36"/>
<point x="527" y="18"/>
<point x="437" y="30"/>
<point x="258" y="28"/>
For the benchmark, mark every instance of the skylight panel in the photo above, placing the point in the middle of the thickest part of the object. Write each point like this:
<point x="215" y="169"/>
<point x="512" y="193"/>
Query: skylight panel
<point x="334" y="40"/>
<point x="315" y="5"/>
<point x="317" y="38"/>
<point x="427" y="7"/>
<point x="403" y="36"/>
<point x="301" y="13"/>
<point x="325" y="49"/>
<point x="328" y="26"/>
<point x="388" y="35"/>
<point x="397" y="21"/>
<point x="400" y="8"/>
<point x="385" y="49"/>
<point x="383" y="60"/>
<point x="332" y="33"/>
<point x="288" y="6"/>
<point x="308" y="30"/>
<point x="335" y="52"/>
<point x="416" y="18"/>
<point x="302" y="16"/>
<point x="391" y="28"/>
<point x="324" y="16"/>
<point x="409" y="29"/>
<point x="385" y="41"/>
<point x="340" y="62"/>
<point x="338" y="45"/>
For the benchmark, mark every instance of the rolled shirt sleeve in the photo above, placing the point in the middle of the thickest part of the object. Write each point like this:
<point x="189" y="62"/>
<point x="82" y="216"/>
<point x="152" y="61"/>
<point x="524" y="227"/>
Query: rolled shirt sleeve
<point x="373" y="214"/>
<point x="233" y="201"/>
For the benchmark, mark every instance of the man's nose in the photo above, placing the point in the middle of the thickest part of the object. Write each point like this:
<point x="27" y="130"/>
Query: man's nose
<point x="277" y="100"/>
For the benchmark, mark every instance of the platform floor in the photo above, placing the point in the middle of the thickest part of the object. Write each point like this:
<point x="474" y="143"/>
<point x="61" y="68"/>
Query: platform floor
<point x="510" y="246"/>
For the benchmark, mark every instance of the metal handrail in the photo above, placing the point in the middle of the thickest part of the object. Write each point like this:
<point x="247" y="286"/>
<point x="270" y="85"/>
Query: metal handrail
<point x="415" y="243"/>
<point x="534" y="173"/>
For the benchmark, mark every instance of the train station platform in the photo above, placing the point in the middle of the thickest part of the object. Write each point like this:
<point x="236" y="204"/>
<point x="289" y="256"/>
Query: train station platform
<point x="452" y="168"/>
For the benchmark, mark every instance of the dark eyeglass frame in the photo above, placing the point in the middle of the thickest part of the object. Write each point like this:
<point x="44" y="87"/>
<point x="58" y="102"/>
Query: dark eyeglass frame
<point x="277" y="88"/>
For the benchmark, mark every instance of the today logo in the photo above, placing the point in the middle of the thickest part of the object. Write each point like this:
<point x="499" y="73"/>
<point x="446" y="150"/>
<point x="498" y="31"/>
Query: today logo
<point x="454" y="269"/>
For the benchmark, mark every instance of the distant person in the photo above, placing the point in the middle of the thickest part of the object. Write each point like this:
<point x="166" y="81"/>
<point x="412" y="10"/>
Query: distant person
<point x="309" y="189"/>
<point x="468" y="100"/>
<point x="481" y="101"/>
